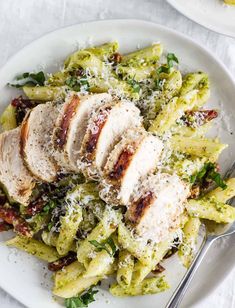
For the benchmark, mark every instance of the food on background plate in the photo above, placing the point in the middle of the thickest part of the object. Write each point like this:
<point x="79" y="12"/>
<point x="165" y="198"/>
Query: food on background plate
<point x="231" y="2"/>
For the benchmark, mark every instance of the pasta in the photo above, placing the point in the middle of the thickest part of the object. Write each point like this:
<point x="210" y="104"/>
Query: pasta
<point x="187" y="248"/>
<point x="147" y="286"/>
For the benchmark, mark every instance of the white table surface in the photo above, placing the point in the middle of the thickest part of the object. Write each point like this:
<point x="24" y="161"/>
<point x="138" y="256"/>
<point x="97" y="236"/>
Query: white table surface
<point x="22" y="21"/>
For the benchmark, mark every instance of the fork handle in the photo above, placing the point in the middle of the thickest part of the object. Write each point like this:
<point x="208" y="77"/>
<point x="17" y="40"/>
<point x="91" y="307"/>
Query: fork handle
<point x="180" y="291"/>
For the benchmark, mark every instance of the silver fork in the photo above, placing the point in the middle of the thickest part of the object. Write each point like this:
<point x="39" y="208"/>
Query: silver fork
<point x="209" y="237"/>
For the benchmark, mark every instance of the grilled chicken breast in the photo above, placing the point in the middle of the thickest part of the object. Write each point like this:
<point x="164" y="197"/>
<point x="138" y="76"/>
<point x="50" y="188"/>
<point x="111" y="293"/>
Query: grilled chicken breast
<point x="14" y="176"/>
<point x="132" y="159"/>
<point x="71" y="126"/>
<point x="36" y="145"/>
<point x="105" y="129"/>
<point x="157" y="206"/>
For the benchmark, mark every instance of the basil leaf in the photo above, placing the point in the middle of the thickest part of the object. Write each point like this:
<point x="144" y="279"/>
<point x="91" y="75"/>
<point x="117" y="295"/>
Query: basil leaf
<point x="100" y="246"/>
<point x="107" y="245"/>
<point x="166" y="68"/>
<point x="208" y="172"/>
<point x="193" y="178"/>
<point x="171" y="58"/>
<point x="134" y="84"/>
<point x="81" y="301"/>
<point x="73" y="302"/>
<point x="31" y="79"/>
<point x="112" y="245"/>
<point x="163" y="69"/>
<point x="77" y="84"/>
<point x="50" y="205"/>
<point x="88" y="297"/>
<point x="215" y="176"/>
<point x="49" y="226"/>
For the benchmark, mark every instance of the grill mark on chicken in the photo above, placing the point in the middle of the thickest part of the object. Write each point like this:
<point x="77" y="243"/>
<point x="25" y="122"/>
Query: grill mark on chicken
<point x="122" y="164"/>
<point x="24" y="133"/>
<point x="68" y="114"/>
<point x="95" y="133"/>
<point x="23" y="191"/>
<point x="138" y="209"/>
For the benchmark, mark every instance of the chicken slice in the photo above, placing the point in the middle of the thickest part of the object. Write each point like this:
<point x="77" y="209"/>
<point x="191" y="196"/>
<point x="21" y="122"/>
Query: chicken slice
<point x="104" y="130"/>
<point x="134" y="157"/>
<point x="157" y="205"/>
<point x="71" y="126"/>
<point x="14" y="176"/>
<point x="36" y="145"/>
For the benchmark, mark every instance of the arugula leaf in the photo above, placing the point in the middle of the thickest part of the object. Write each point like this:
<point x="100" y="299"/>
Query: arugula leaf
<point x="107" y="245"/>
<point x="31" y="79"/>
<point x="208" y="172"/>
<point x="81" y="301"/>
<point x="134" y="84"/>
<point x="76" y="84"/>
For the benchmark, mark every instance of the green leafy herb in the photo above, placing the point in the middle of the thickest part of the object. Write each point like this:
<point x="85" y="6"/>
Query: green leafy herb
<point x="108" y="246"/>
<point x="171" y="58"/>
<point x="134" y="84"/>
<point x="81" y="301"/>
<point x="166" y="68"/>
<point x="159" y="84"/>
<point x="77" y="83"/>
<point x="29" y="79"/>
<point x="49" y="206"/>
<point x="208" y="172"/>
<point x="215" y="176"/>
<point x="49" y="226"/>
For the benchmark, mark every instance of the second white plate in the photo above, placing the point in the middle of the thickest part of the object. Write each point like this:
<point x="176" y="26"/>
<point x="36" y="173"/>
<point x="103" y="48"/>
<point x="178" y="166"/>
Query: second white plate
<point x="212" y="14"/>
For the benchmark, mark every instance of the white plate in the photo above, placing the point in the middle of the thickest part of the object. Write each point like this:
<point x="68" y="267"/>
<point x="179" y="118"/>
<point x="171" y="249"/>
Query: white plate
<point x="212" y="14"/>
<point x="26" y="278"/>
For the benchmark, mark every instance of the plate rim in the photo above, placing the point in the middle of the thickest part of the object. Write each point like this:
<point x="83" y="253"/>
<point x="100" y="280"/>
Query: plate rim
<point x="215" y="28"/>
<point x="121" y="20"/>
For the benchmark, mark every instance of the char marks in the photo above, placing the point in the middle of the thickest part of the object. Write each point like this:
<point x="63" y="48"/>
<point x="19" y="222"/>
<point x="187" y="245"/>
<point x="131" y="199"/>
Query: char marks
<point x="95" y="132"/>
<point x="69" y="112"/>
<point x="140" y="206"/>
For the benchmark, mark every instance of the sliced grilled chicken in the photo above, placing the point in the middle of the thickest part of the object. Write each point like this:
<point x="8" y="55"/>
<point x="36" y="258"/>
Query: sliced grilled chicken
<point x="104" y="130"/>
<point x="71" y="126"/>
<point x="134" y="157"/>
<point x="157" y="206"/>
<point x="36" y="145"/>
<point x="14" y="176"/>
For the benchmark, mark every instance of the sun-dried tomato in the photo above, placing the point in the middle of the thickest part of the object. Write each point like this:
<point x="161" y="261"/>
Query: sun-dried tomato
<point x="199" y="117"/>
<point x="158" y="269"/>
<point x="115" y="58"/>
<point x="5" y="226"/>
<point x="12" y="217"/>
<point x="62" y="262"/>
